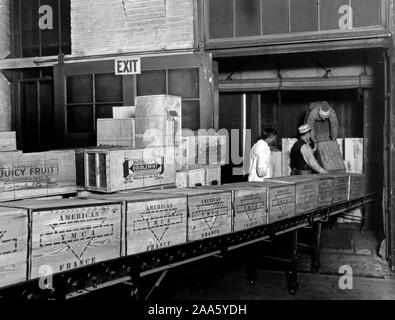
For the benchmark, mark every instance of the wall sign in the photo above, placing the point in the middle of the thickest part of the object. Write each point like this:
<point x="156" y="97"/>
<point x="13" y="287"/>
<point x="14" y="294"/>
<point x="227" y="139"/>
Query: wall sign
<point x="127" y="66"/>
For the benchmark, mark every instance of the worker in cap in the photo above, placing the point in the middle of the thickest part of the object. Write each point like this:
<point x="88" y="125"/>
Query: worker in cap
<point x="303" y="161"/>
<point x="322" y="119"/>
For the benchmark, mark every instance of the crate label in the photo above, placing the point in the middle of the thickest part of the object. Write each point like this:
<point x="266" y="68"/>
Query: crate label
<point x="306" y="196"/>
<point x="29" y="175"/>
<point x="65" y="239"/>
<point x="250" y="209"/>
<point x="209" y="216"/>
<point x="140" y="169"/>
<point x="341" y="189"/>
<point x="325" y="192"/>
<point x="156" y="224"/>
<point x="282" y="203"/>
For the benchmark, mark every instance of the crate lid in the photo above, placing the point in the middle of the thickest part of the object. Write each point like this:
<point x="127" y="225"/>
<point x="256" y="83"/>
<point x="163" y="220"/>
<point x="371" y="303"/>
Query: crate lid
<point x="136" y="196"/>
<point x="294" y="179"/>
<point x="54" y="204"/>
<point x="233" y="187"/>
<point x="266" y="183"/>
<point x="190" y="191"/>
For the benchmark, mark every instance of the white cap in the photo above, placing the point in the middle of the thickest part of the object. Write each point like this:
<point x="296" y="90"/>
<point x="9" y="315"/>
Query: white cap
<point x="304" y="129"/>
<point x="324" y="110"/>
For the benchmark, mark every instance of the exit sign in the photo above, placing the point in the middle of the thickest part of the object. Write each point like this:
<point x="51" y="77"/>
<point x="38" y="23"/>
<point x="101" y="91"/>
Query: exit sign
<point x="127" y="66"/>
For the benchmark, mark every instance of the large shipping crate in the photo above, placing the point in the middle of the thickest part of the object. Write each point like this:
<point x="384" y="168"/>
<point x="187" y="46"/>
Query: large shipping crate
<point x="325" y="190"/>
<point x="115" y="169"/>
<point x="280" y="198"/>
<point x="124" y="112"/>
<point x="7" y="141"/>
<point x="158" y="120"/>
<point x="249" y="205"/>
<point x="116" y="132"/>
<point x="71" y="233"/>
<point x="209" y="211"/>
<point x="13" y="246"/>
<point x="357" y="186"/>
<point x="212" y="175"/>
<point x="341" y="186"/>
<point x="191" y="178"/>
<point x="329" y="156"/>
<point x="306" y="194"/>
<point x="31" y="175"/>
<point x="153" y="221"/>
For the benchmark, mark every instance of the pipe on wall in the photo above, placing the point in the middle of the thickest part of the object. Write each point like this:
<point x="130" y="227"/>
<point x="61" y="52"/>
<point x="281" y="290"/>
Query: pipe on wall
<point x="5" y="50"/>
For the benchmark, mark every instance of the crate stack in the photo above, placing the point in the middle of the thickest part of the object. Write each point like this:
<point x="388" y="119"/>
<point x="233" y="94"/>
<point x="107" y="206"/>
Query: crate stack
<point x="119" y="130"/>
<point x="200" y="157"/>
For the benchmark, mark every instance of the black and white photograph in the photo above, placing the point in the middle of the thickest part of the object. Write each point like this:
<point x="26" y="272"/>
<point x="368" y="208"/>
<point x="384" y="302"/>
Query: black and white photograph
<point x="193" y="157"/>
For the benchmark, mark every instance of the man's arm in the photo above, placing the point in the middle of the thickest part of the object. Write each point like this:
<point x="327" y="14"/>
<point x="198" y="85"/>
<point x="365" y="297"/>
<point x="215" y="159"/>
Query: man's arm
<point x="263" y="163"/>
<point x="311" y="122"/>
<point x="311" y="160"/>
<point x="334" y="123"/>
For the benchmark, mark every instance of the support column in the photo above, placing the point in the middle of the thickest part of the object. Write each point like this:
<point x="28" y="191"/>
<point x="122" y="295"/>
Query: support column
<point x="5" y="50"/>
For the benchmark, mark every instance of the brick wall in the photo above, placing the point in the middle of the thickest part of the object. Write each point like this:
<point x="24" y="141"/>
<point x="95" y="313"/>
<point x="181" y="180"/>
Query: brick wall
<point x="5" y="87"/>
<point x="112" y="26"/>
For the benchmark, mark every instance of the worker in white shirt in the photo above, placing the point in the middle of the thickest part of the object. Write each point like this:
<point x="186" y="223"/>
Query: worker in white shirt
<point x="303" y="161"/>
<point x="260" y="156"/>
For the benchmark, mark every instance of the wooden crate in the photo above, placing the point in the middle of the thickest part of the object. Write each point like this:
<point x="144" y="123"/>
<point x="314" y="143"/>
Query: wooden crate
<point x="357" y="186"/>
<point x="306" y="194"/>
<point x="115" y="169"/>
<point x="325" y="190"/>
<point x="7" y="141"/>
<point x="191" y="178"/>
<point x="287" y="145"/>
<point x="280" y="198"/>
<point x="329" y="156"/>
<point x="123" y="112"/>
<point x="71" y="233"/>
<point x="13" y="246"/>
<point x="153" y="221"/>
<point x="186" y="153"/>
<point x="353" y="150"/>
<point x="158" y="105"/>
<point x="30" y="175"/>
<point x="116" y="132"/>
<point x="209" y="211"/>
<point x="249" y="205"/>
<point x="341" y="186"/>
<point x="212" y="175"/>
<point x="207" y="149"/>
<point x="223" y="150"/>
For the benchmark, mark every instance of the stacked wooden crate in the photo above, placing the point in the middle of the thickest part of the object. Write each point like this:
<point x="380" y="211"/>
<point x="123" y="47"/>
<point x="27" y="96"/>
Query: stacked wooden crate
<point x="209" y="211"/>
<point x="197" y="152"/>
<point x="114" y="169"/>
<point x="158" y="121"/>
<point x="152" y="221"/>
<point x="32" y="175"/>
<point x="119" y="130"/>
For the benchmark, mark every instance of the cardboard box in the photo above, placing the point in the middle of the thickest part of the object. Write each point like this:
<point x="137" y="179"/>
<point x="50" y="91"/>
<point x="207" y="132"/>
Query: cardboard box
<point x="7" y="141"/>
<point x="191" y="178"/>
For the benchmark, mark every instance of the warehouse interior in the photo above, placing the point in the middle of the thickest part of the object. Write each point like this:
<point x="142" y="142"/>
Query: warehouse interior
<point x="108" y="211"/>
